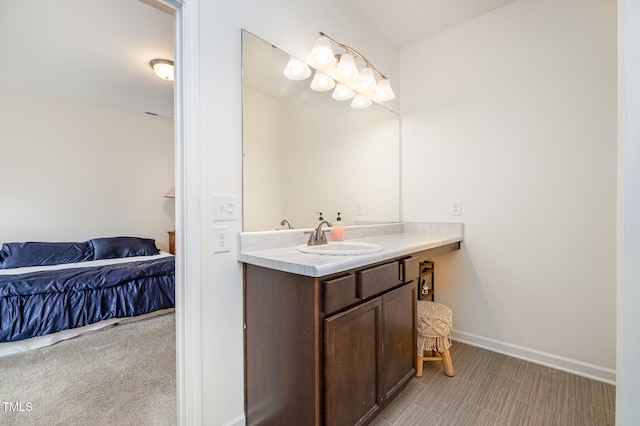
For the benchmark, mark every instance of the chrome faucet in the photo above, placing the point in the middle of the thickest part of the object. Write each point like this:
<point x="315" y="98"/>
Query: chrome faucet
<point x="285" y="221"/>
<point x="317" y="237"/>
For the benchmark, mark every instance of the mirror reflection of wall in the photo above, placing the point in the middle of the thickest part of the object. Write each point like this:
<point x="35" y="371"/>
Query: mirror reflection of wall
<point x="305" y="152"/>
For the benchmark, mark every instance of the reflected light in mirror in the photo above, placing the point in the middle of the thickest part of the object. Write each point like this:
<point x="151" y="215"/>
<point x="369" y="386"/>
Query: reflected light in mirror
<point x="342" y="93"/>
<point x="360" y="101"/>
<point x="322" y="82"/>
<point x="297" y="70"/>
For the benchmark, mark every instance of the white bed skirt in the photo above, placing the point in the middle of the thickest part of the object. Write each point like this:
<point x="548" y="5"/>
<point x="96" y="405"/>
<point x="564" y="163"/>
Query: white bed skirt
<point x="50" y="339"/>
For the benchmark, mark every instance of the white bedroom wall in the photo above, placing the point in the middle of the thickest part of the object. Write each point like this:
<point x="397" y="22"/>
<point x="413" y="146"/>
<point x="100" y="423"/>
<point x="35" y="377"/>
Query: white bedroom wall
<point x="292" y="26"/>
<point x="71" y="172"/>
<point x="514" y="114"/>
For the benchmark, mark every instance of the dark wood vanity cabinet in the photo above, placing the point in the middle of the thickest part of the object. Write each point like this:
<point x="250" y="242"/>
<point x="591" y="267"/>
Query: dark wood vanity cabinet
<point x="369" y="356"/>
<point x="330" y="350"/>
<point x="352" y="364"/>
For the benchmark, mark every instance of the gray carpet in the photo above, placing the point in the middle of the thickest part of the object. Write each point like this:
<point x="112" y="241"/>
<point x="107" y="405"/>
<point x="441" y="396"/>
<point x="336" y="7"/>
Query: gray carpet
<point x="124" y="375"/>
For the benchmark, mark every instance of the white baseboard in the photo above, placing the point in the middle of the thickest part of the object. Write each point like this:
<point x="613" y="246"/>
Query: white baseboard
<point x="238" y="420"/>
<point x="573" y="366"/>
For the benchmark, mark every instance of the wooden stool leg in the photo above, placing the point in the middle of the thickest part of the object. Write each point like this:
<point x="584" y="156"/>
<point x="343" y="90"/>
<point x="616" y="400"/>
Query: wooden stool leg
<point x="446" y="363"/>
<point x="419" y="366"/>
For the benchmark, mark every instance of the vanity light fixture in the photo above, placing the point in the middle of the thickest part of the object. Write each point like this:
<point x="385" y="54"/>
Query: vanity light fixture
<point x="163" y="68"/>
<point x="341" y="72"/>
<point x="321" y="56"/>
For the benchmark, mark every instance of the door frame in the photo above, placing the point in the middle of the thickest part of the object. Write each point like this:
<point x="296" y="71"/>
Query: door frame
<point x="187" y="183"/>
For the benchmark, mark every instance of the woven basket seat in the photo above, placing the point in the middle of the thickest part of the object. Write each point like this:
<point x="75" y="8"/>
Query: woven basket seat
<point x="434" y="324"/>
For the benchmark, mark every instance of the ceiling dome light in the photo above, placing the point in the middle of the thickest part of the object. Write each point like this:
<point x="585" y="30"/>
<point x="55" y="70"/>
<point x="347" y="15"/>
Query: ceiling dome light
<point x="297" y="70"/>
<point x="347" y="70"/>
<point x="360" y="101"/>
<point x="367" y="82"/>
<point x="322" y="56"/>
<point x="384" y="92"/>
<point x="342" y="93"/>
<point x="163" y="68"/>
<point x="322" y="82"/>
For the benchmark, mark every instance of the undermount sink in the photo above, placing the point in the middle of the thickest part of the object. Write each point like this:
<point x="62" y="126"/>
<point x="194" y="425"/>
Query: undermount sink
<point x="341" y="248"/>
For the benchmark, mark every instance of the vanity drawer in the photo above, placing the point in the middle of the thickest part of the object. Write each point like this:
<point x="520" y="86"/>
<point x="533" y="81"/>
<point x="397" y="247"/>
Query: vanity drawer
<point x="379" y="279"/>
<point x="339" y="293"/>
<point x="411" y="269"/>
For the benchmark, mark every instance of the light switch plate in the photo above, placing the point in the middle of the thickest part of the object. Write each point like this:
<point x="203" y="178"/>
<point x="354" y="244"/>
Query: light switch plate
<point x="225" y="207"/>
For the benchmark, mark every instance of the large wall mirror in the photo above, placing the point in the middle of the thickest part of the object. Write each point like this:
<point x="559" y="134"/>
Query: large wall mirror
<point x="306" y="153"/>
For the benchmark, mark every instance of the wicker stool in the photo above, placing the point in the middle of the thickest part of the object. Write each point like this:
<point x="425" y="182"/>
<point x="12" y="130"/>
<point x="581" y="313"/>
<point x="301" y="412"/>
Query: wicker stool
<point x="435" y="321"/>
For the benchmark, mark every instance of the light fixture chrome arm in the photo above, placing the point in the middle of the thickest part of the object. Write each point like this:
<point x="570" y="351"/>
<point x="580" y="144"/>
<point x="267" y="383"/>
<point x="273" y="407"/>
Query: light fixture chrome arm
<point x="355" y="53"/>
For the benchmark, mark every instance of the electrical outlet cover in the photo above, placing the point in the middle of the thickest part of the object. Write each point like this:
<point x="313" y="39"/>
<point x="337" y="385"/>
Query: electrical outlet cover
<point x="221" y="239"/>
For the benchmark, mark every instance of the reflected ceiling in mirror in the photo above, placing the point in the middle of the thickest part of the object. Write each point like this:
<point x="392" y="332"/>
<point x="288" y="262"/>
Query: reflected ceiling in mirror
<point x="305" y="153"/>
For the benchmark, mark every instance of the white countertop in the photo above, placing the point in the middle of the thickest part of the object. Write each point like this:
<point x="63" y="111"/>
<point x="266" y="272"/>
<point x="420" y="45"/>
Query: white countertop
<point x="278" y="249"/>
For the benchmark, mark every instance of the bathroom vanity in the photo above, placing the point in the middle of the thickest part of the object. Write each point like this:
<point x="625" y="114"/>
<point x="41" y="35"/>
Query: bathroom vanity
<point x="330" y="340"/>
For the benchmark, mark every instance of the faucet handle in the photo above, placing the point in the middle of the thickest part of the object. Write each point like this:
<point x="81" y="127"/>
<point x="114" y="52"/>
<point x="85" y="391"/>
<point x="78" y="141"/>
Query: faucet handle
<point x="311" y="237"/>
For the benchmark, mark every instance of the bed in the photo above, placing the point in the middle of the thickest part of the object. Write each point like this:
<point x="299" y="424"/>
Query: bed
<point x="51" y="291"/>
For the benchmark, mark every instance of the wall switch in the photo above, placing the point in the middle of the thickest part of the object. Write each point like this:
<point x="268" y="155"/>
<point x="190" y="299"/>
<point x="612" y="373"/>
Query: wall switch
<point x="359" y="210"/>
<point x="220" y="239"/>
<point x="456" y="208"/>
<point x="224" y="207"/>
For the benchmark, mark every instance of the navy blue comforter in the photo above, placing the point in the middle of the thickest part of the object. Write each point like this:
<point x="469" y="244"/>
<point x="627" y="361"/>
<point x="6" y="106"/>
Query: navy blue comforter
<point x="44" y="302"/>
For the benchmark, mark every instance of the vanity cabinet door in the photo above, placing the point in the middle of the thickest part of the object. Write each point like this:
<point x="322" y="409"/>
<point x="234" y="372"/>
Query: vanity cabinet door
<point x="352" y="364"/>
<point x="398" y="337"/>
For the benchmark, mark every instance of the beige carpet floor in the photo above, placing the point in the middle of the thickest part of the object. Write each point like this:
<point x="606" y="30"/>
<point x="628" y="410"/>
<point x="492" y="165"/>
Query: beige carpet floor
<point x="123" y="375"/>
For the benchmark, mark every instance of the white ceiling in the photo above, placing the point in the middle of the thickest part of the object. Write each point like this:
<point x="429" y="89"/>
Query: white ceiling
<point x="91" y="51"/>
<point x="98" y="51"/>
<point x="407" y="21"/>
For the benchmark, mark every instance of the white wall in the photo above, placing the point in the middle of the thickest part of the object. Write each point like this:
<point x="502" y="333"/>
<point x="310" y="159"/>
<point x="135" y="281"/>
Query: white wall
<point x="293" y="27"/>
<point x="71" y="172"/>
<point x="514" y="113"/>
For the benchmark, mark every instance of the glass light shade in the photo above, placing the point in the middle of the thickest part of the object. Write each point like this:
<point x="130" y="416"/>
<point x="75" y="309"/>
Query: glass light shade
<point x="296" y="69"/>
<point x="322" y="82"/>
<point x="360" y="101"/>
<point x="322" y="56"/>
<point x="384" y="92"/>
<point x="342" y="93"/>
<point x="163" y="68"/>
<point x="346" y="70"/>
<point x="367" y="82"/>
